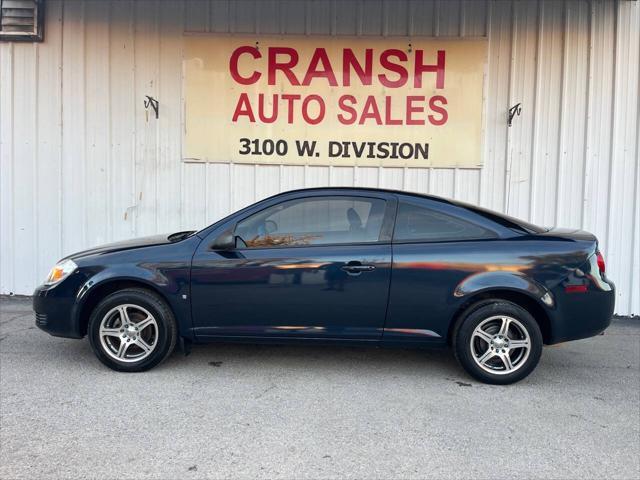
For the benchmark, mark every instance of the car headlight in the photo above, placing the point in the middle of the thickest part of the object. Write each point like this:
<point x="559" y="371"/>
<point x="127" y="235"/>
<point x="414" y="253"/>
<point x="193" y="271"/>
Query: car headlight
<point x="60" y="271"/>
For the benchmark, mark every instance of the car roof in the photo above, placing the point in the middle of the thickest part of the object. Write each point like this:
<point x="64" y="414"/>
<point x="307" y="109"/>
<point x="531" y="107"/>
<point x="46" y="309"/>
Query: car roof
<point x="366" y="189"/>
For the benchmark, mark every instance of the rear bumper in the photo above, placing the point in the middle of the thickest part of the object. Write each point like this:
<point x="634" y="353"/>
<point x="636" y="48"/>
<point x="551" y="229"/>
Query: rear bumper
<point x="582" y="315"/>
<point x="54" y="311"/>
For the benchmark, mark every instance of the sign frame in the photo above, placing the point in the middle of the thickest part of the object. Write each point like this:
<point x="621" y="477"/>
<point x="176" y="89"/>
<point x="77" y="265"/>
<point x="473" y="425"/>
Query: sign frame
<point x="337" y="161"/>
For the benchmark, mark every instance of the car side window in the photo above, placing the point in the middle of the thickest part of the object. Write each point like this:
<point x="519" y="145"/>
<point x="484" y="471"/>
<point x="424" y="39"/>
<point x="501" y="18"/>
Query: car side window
<point x="314" y="221"/>
<point x="415" y="223"/>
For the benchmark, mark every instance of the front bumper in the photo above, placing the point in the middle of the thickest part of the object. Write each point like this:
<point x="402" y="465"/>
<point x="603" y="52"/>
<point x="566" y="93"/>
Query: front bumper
<point x="55" y="309"/>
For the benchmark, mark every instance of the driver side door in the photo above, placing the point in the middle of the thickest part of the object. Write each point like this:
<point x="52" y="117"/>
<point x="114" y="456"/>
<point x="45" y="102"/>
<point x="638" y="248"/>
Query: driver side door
<point x="312" y="267"/>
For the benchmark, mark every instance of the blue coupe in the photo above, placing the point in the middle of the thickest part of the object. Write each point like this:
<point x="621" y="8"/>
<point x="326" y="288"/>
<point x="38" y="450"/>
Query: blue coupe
<point x="347" y="265"/>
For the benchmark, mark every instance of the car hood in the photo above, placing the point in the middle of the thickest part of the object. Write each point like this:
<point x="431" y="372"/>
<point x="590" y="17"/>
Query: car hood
<point x="125" y="245"/>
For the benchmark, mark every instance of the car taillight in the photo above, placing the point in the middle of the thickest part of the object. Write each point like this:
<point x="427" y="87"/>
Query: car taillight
<point x="600" y="259"/>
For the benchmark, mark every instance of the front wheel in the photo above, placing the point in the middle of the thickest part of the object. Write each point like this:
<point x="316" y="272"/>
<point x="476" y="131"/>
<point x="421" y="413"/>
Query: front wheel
<point x="498" y="342"/>
<point x="132" y="330"/>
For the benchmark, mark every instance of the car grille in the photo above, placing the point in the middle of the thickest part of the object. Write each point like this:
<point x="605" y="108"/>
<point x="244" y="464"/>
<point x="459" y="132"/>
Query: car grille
<point x="41" y="319"/>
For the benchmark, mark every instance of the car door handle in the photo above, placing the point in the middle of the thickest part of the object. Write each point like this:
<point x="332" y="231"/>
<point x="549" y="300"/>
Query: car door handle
<point x="357" y="268"/>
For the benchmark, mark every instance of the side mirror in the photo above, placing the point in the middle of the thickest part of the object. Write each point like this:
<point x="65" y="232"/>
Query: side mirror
<point x="225" y="241"/>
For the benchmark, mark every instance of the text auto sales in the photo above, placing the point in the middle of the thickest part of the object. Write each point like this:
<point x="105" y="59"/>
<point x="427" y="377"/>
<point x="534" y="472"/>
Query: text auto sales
<point x="398" y="69"/>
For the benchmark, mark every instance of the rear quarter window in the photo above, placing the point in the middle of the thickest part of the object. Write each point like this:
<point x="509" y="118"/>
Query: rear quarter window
<point x="419" y="223"/>
<point x="504" y="220"/>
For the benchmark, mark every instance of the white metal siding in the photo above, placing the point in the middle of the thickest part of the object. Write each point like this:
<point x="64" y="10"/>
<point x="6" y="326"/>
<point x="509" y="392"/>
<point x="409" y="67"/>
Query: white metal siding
<point x="82" y="166"/>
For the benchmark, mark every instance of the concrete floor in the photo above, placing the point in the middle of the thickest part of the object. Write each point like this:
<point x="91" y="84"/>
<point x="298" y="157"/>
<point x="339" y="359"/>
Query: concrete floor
<point x="237" y="411"/>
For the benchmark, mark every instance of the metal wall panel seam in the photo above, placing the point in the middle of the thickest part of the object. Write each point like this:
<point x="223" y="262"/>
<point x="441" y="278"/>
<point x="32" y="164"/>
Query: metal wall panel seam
<point x="134" y="131"/>
<point x="508" y="148"/>
<point x="207" y="202"/>
<point x="61" y="148"/>
<point x="635" y="239"/>
<point x="209" y="16"/>
<point x="455" y="184"/>
<point x="134" y="139"/>
<point x="485" y="95"/>
<point x="13" y="163"/>
<point x="635" y="232"/>
<point x="485" y="106"/>
<point x="255" y="180"/>
<point x="536" y="108"/>
<point x="410" y="16"/>
<point x="110" y="129"/>
<point x="635" y="242"/>
<point x="231" y="181"/>
<point x="385" y="19"/>
<point x="333" y="22"/>
<point x="614" y="123"/>
<point x="158" y="79"/>
<point x="589" y="109"/>
<point x="233" y="17"/>
<point x="461" y="33"/>
<point x="85" y="223"/>
<point x="563" y="107"/>
<point x="34" y="160"/>
<point x="487" y="10"/>
<point x="631" y="155"/>
<point x="180" y="195"/>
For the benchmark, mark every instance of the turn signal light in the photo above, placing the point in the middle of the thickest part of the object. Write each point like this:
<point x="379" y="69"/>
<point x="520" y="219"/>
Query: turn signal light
<point x="600" y="258"/>
<point x="60" y="271"/>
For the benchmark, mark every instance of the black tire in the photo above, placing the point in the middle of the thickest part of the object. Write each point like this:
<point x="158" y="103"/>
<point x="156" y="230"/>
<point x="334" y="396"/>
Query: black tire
<point x="165" y="336"/>
<point x="484" y="311"/>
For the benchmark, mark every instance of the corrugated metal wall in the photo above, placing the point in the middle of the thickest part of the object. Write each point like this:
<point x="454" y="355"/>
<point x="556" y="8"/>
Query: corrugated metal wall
<point x="81" y="165"/>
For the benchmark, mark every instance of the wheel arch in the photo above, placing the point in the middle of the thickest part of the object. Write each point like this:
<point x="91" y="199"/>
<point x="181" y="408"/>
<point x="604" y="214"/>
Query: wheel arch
<point x="107" y="287"/>
<point x="520" y="298"/>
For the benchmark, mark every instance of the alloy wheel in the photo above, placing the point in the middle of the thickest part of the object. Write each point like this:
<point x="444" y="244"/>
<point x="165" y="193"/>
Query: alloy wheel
<point x="128" y="333"/>
<point x="500" y="345"/>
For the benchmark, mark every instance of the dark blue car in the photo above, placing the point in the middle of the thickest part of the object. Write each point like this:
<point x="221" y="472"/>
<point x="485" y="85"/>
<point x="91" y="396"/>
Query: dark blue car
<point x="348" y="265"/>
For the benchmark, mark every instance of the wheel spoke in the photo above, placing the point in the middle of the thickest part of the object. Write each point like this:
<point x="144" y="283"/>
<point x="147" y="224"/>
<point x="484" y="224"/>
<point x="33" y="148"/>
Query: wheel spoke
<point x="519" y="343"/>
<point x="110" y="332"/>
<point x="142" y="344"/>
<point x="483" y="335"/>
<point x="506" y="359"/>
<point x="144" y="323"/>
<point x="122" y="350"/>
<point x="486" y="356"/>
<point x="504" y="328"/>
<point x="124" y="316"/>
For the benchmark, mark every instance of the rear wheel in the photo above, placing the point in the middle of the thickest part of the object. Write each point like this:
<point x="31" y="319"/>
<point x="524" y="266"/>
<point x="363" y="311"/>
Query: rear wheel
<point x="132" y="330"/>
<point x="497" y="342"/>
